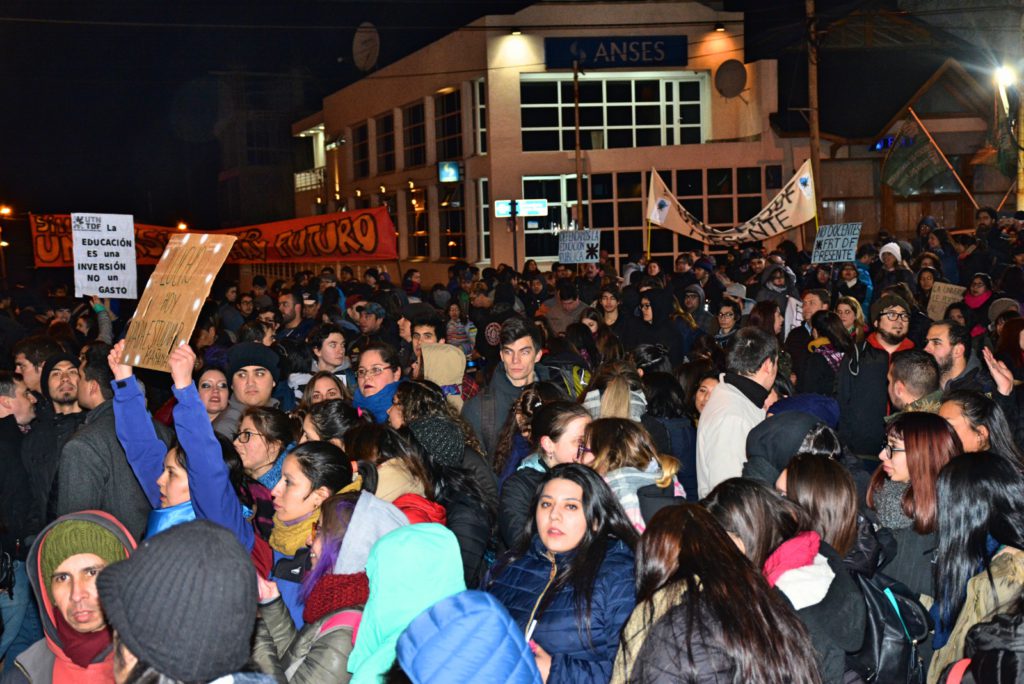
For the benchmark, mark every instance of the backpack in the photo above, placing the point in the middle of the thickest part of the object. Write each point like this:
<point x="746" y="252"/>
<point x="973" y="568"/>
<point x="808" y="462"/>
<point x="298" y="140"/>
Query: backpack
<point x="573" y="376"/>
<point x="896" y="624"/>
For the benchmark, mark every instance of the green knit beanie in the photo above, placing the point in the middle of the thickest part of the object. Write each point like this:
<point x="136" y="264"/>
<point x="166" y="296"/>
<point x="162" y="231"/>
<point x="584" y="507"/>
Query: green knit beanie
<point x="72" y="537"/>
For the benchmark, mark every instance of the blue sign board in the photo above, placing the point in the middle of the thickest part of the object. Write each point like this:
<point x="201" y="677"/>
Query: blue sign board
<point x="448" y="172"/>
<point x="524" y="207"/>
<point x="614" y="52"/>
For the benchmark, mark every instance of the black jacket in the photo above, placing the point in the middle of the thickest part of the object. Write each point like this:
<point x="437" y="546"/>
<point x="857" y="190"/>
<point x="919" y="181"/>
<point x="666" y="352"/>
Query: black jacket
<point x="815" y="376"/>
<point x="19" y="519"/>
<point x="796" y="344"/>
<point x="487" y="411"/>
<point x="40" y="454"/>
<point x="996" y="650"/>
<point x="514" y="511"/>
<point x="863" y="396"/>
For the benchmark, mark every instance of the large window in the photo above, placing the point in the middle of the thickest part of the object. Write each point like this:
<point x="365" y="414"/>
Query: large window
<point x="541" y="232"/>
<point x="483" y="204"/>
<point x="417" y="221"/>
<point x="480" y="115"/>
<point x="453" y="221"/>
<point x="385" y="143"/>
<point x="615" y="111"/>
<point x="361" y="151"/>
<point x="448" y="125"/>
<point x="414" y="135"/>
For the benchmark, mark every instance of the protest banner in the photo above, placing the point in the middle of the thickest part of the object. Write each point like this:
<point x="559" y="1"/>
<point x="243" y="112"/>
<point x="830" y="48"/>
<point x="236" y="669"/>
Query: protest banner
<point x="104" y="252"/>
<point x="173" y="296"/>
<point x="579" y="246"/>
<point x="836" y="243"/>
<point x="943" y="294"/>
<point x="791" y="208"/>
<point x="361" y="235"/>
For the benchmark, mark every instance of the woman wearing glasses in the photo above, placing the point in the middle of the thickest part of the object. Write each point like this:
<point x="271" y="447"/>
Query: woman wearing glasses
<point x="729" y="314"/>
<point x="902" y="493"/>
<point x="377" y="376"/>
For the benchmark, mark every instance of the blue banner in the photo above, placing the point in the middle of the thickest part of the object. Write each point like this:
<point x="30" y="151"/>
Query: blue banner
<point x="613" y="52"/>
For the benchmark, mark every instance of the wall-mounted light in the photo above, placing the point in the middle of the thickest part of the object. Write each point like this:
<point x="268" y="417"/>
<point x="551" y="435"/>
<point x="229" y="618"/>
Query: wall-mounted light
<point x="412" y="184"/>
<point x="359" y="193"/>
<point x="182" y="225"/>
<point x="517" y="32"/>
<point x="383" y="189"/>
<point x="720" y="27"/>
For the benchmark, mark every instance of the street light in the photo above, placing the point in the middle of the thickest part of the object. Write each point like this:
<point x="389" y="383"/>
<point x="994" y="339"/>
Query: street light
<point x="5" y="210"/>
<point x="182" y="225"/>
<point x="1006" y="77"/>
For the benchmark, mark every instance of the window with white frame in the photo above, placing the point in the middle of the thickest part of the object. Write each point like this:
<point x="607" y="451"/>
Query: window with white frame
<point x="483" y="203"/>
<point x="541" y="232"/>
<point x="448" y="125"/>
<point x="361" y="150"/>
<point x="616" y="110"/>
<point x="414" y="135"/>
<point x="480" y="115"/>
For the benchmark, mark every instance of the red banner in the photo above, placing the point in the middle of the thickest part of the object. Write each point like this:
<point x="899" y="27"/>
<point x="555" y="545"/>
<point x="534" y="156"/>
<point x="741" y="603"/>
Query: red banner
<point x="362" y="235"/>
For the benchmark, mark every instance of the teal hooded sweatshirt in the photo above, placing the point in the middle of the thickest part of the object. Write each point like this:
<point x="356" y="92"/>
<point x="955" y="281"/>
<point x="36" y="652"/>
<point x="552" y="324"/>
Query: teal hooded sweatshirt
<point x="409" y="570"/>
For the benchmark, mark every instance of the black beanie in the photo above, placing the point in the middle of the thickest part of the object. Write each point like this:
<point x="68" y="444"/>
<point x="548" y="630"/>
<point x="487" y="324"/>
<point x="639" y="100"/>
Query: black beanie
<point x="185" y="602"/>
<point x="253" y="354"/>
<point x="44" y="384"/>
<point x="441" y="438"/>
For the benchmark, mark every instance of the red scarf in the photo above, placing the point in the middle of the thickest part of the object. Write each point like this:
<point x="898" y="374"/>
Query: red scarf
<point x="791" y="554"/>
<point x="335" y="592"/>
<point x="81" y="648"/>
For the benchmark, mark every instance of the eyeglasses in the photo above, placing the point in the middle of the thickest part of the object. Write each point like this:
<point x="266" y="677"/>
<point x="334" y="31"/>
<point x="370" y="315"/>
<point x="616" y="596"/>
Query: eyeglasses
<point x="889" y="450"/>
<point x="372" y="372"/>
<point x="896" y="316"/>
<point x="584" y="449"/>
<point x="244" y="436"/>
<point x="726" y="314"/>
<point x="645" y="305"/>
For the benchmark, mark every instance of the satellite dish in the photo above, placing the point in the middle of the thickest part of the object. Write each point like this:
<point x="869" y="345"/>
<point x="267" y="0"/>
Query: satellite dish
<point x="731" y="78"/>
<point x="365" y="47"/>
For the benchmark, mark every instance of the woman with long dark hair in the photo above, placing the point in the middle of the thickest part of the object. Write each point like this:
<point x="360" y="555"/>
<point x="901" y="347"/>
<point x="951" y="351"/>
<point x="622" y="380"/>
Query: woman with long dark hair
<point x="979" y="568"/>
<point x="567" y="582"/>
<point x="767" y="316"/>
<point x="829" y="344"/>
<point x="776" y="536"/>
<point x="825" y="490"/>
<point x="705" y="614"/>
<point x="902" y="492"/>
<point x="980" y="423"/>
<point x="671" y="428"/>
<point x="514" y="438"/>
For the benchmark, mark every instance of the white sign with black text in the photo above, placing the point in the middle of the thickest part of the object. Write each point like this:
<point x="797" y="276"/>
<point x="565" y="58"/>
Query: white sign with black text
<point x="104" y="254"/>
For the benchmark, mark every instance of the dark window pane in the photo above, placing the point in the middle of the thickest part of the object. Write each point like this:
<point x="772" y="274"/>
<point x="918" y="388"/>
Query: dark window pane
<point x="719" y="181"/>
<point x="591" y="116"/>
<point x="538" y="141"/>
<point x="619" y="91"/>
<point x="690" y="182"/>
<point x="538" y="93"/>
<point x="670" y="136"/>
<point x="629" y="185"/>
<point x="570" y="188"/>
<point x="689" y="114"/>
<point x="603" y="215"/>
<point x="689" y="136"/>
<point x="620" y="116"/>
<point x="539" y="117"/>
<point x="631" y="241"/>
<point x="541" y="244"/>
<point x="620" y="138"/>
<point x="631" y="214"/>
<point x="648" y="137"/>
<point x="695" y="206"/>
<point x="688" y="244"/>
<point x="648" y="91"/>
<point x="589" y="92"/>
<point x="748" y="207"/>
<point x="720" y="211"/>
<point x="748" y="180"/>
<point x="601" y="186"/>
<point x="608" y="240"/>
<point x="661" y="239"/>
<point x="773" y="177"/>
<point x="689" y="91"/>
<point x="647" y="116"/>
<point x="589" y="140"/>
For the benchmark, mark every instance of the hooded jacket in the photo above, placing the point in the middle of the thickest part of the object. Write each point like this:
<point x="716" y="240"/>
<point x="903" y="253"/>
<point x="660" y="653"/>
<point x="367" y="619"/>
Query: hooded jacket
<point x="476" y="627"/>
<point x="705" y="321"/>
<point x="398" y="594"/>
<point x="319" y="651"/>
<point x="774" y="442"/>
<point x="574" y="657"/>
<point x="768" y="292"/>
<point x="661" y="329"/>
<point x="45" y="661"/>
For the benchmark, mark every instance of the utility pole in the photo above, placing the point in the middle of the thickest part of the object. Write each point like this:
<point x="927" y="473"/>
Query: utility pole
<point x="812" y="102"/>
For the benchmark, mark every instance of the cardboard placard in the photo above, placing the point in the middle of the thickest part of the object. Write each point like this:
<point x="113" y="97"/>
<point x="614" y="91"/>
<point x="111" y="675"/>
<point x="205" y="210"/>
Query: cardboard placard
<point x="104" y="252"/>
<point x="836" y="243"/>
<point x="173" y="297"/>
<point x="943" y="294"/>
<point x="579" y="246"/>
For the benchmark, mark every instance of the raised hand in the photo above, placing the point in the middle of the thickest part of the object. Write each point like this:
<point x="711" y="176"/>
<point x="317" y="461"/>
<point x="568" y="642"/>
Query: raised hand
<point x="182" y="362"/>
<point x="121" y="371"/>
<point x="1001" y="374"/>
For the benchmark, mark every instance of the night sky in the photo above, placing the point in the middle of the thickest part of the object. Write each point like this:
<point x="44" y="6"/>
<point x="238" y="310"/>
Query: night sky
<point x="111" y="106"/>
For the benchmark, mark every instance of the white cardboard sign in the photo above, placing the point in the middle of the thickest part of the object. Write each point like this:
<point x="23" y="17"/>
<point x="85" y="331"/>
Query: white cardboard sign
<point x="104" y="255"/>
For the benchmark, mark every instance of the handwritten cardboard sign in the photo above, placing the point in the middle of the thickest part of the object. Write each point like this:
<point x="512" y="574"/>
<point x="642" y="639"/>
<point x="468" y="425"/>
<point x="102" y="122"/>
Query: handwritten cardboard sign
<point x="173" y="296"/>
<point x="104" y="251"/>
<point x="579" y="246"/>
<point x="943" y="294"/>
<point x="836" y="243"/>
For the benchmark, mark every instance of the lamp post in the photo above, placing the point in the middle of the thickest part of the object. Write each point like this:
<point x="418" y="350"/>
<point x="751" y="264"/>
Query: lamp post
<point x="1006" y="78"/>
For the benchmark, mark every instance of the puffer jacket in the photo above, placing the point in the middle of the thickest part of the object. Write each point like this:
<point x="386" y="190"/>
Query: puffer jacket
<point x="522" y="585"/>
<point x="45" y="662"/>
<point x="318" y="653"/>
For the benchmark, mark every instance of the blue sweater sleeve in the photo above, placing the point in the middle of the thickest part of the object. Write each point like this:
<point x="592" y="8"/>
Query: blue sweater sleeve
<point x="213" y="497"/>
<point x="145" y="451"/>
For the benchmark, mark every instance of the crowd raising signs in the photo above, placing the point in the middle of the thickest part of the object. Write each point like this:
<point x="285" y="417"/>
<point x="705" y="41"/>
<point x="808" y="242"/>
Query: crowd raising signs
<point x="173" y="297"/>
<point x="104" y="251"/>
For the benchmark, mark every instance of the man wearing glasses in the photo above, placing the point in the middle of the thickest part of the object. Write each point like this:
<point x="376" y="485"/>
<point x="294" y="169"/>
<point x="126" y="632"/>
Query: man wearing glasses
<point x="863" y="376"/>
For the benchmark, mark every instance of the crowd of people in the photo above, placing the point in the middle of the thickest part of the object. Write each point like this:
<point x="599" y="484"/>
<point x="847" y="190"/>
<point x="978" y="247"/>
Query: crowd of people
<point x="745" y="467"/>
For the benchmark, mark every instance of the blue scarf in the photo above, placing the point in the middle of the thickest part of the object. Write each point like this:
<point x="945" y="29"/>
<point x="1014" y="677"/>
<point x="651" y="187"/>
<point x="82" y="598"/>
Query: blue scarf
<point x="270" y="478"/>
<point x="379" y="403"/>
<point x="162" y="519"/>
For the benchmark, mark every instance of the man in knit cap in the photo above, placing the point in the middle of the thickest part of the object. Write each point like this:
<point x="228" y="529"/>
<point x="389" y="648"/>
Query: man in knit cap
<point x="253" y="370"/>
<point x="64" y="563"/>
<point x="184" y="606"/>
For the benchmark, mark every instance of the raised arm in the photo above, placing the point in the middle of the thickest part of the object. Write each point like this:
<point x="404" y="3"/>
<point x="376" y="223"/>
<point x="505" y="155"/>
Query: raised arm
<point x="144" y="450"/>
<point x="213" y="496"/>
